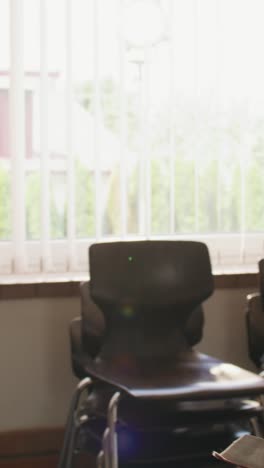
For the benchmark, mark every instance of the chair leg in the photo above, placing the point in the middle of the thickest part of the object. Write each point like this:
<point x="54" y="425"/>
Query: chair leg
<point x="100" y="460"/>
<point x="106" y="448"/>
<point x="72" y="441"/>
<point x="71" y="444"/>
<point x="257" y="426"/>
<point x="112" y="419"/>
<point x="72" y="425"/>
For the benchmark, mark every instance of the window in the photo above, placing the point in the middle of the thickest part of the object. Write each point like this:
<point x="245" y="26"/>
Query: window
<point x="130" y="119"/>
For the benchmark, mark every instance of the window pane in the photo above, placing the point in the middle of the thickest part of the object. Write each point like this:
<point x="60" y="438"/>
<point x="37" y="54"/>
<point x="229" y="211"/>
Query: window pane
<point x="33" y="215"/>
<point x="5" y="201"/>
<point x="85" y="201"/>
<point x="5" y="178"/>
<point x="184" y="195"/>
<point x="254" y="181"/>
<point x="137" y="121"/>
<point x="58" y="206"/>
<point x="160" y="197"/>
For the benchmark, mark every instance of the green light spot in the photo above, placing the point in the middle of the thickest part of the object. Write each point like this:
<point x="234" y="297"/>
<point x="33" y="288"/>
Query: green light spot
<point x="130" y="259"/>
<point x="127" y="311"/>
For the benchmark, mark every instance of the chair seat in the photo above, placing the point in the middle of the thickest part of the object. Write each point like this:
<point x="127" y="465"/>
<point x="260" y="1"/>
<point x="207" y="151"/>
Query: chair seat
<point x="158" y="446"/>
<point x="149" y="414"/>
<point x="186" y="376"/>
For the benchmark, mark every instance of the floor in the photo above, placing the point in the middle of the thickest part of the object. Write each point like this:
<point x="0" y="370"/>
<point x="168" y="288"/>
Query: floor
<point x="51" y="461"/>
<point x="45" y="461"/>
<point x="42" y="461"/>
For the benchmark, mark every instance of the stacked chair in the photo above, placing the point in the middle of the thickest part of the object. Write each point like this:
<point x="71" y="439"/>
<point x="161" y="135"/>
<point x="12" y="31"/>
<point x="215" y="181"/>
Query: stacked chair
<point x="255" y="321"/>
<point x="146" y="397"/>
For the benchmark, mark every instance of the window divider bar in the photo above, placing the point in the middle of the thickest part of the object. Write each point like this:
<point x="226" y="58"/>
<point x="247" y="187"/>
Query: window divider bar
<point x="218" y="31"/>
<point x="71" y="214"/>
<point x="141" y="178"/>
<point x="123" y="127"/>
<point x="146" y="147"/>
<point x="171" y="104"/>
<point x="17" y="134"/>
<point x="97" y="124"/>
<point x="243" y="188"/>
<point x="46" y="258"/>
<point x="196" y="131"/>
<point x="144" y="202"/>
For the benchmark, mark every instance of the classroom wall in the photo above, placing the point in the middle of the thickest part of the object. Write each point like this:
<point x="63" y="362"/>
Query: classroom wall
<point x="36" y="381"/>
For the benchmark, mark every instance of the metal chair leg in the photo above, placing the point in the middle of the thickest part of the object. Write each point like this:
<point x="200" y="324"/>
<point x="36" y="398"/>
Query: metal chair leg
<point x="72" y="441"/>
<point x="100" y="460"/>
<point x="112" y="419"/>
<point x="257" y="426"/>
<point x="71" y="445"/>
<point x="72" y="425"/>
<point x="106" y="448"/>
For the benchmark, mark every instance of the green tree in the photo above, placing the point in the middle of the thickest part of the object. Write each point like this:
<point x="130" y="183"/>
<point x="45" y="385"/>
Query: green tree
<point x="255" y="186"/>
<point x="84" y="204"/>
<point x="110" y="105"/>
<point x="33" y="205"/>
<point x="84" y="201"/>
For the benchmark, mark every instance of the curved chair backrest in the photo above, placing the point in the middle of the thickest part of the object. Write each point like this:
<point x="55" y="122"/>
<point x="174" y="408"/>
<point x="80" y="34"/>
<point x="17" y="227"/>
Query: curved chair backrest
<point x="152" y="274"/>
<point x="147" y="291"/>
<point x="255" y="321"/>
<point x="93" y="323"/>
<point x="255" y="328"/>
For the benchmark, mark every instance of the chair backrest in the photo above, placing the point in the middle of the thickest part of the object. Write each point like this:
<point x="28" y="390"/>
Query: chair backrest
<point x="147" y="291"/>
<point x="255" y="321"/>
<point x="151" y="273"/>
<point x="255" y="328"/>
<point x="261" y="279"/>
<point x="92" y="322"/>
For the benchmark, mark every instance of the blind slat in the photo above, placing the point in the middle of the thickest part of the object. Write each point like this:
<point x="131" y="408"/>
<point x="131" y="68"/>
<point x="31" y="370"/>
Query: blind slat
<point x="146" y="146"/>
<point x="196" y="150"/>
<point x="17" y="133"/>
<point x="123" y="125"/>
<point x="71" y="212"/>
<point x="171" y="104"/>
<point x="46" y="260"/>
<point x="97" y="122"/>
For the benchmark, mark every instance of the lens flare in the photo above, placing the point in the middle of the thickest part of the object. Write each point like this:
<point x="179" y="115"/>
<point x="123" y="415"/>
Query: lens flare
<point x="127" y="311"/>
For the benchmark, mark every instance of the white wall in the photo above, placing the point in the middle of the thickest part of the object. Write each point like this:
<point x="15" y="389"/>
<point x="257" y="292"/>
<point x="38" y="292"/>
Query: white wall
<point x="35" y="372"/>
<point x="225" y="327"/>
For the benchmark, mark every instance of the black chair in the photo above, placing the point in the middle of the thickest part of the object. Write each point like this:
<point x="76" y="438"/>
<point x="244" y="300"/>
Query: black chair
<point x="151" y="398"/>
<point x="255" y="321"/>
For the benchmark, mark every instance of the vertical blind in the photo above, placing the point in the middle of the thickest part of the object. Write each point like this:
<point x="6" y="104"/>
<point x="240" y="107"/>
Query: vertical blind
<point x="126" y="119"/>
